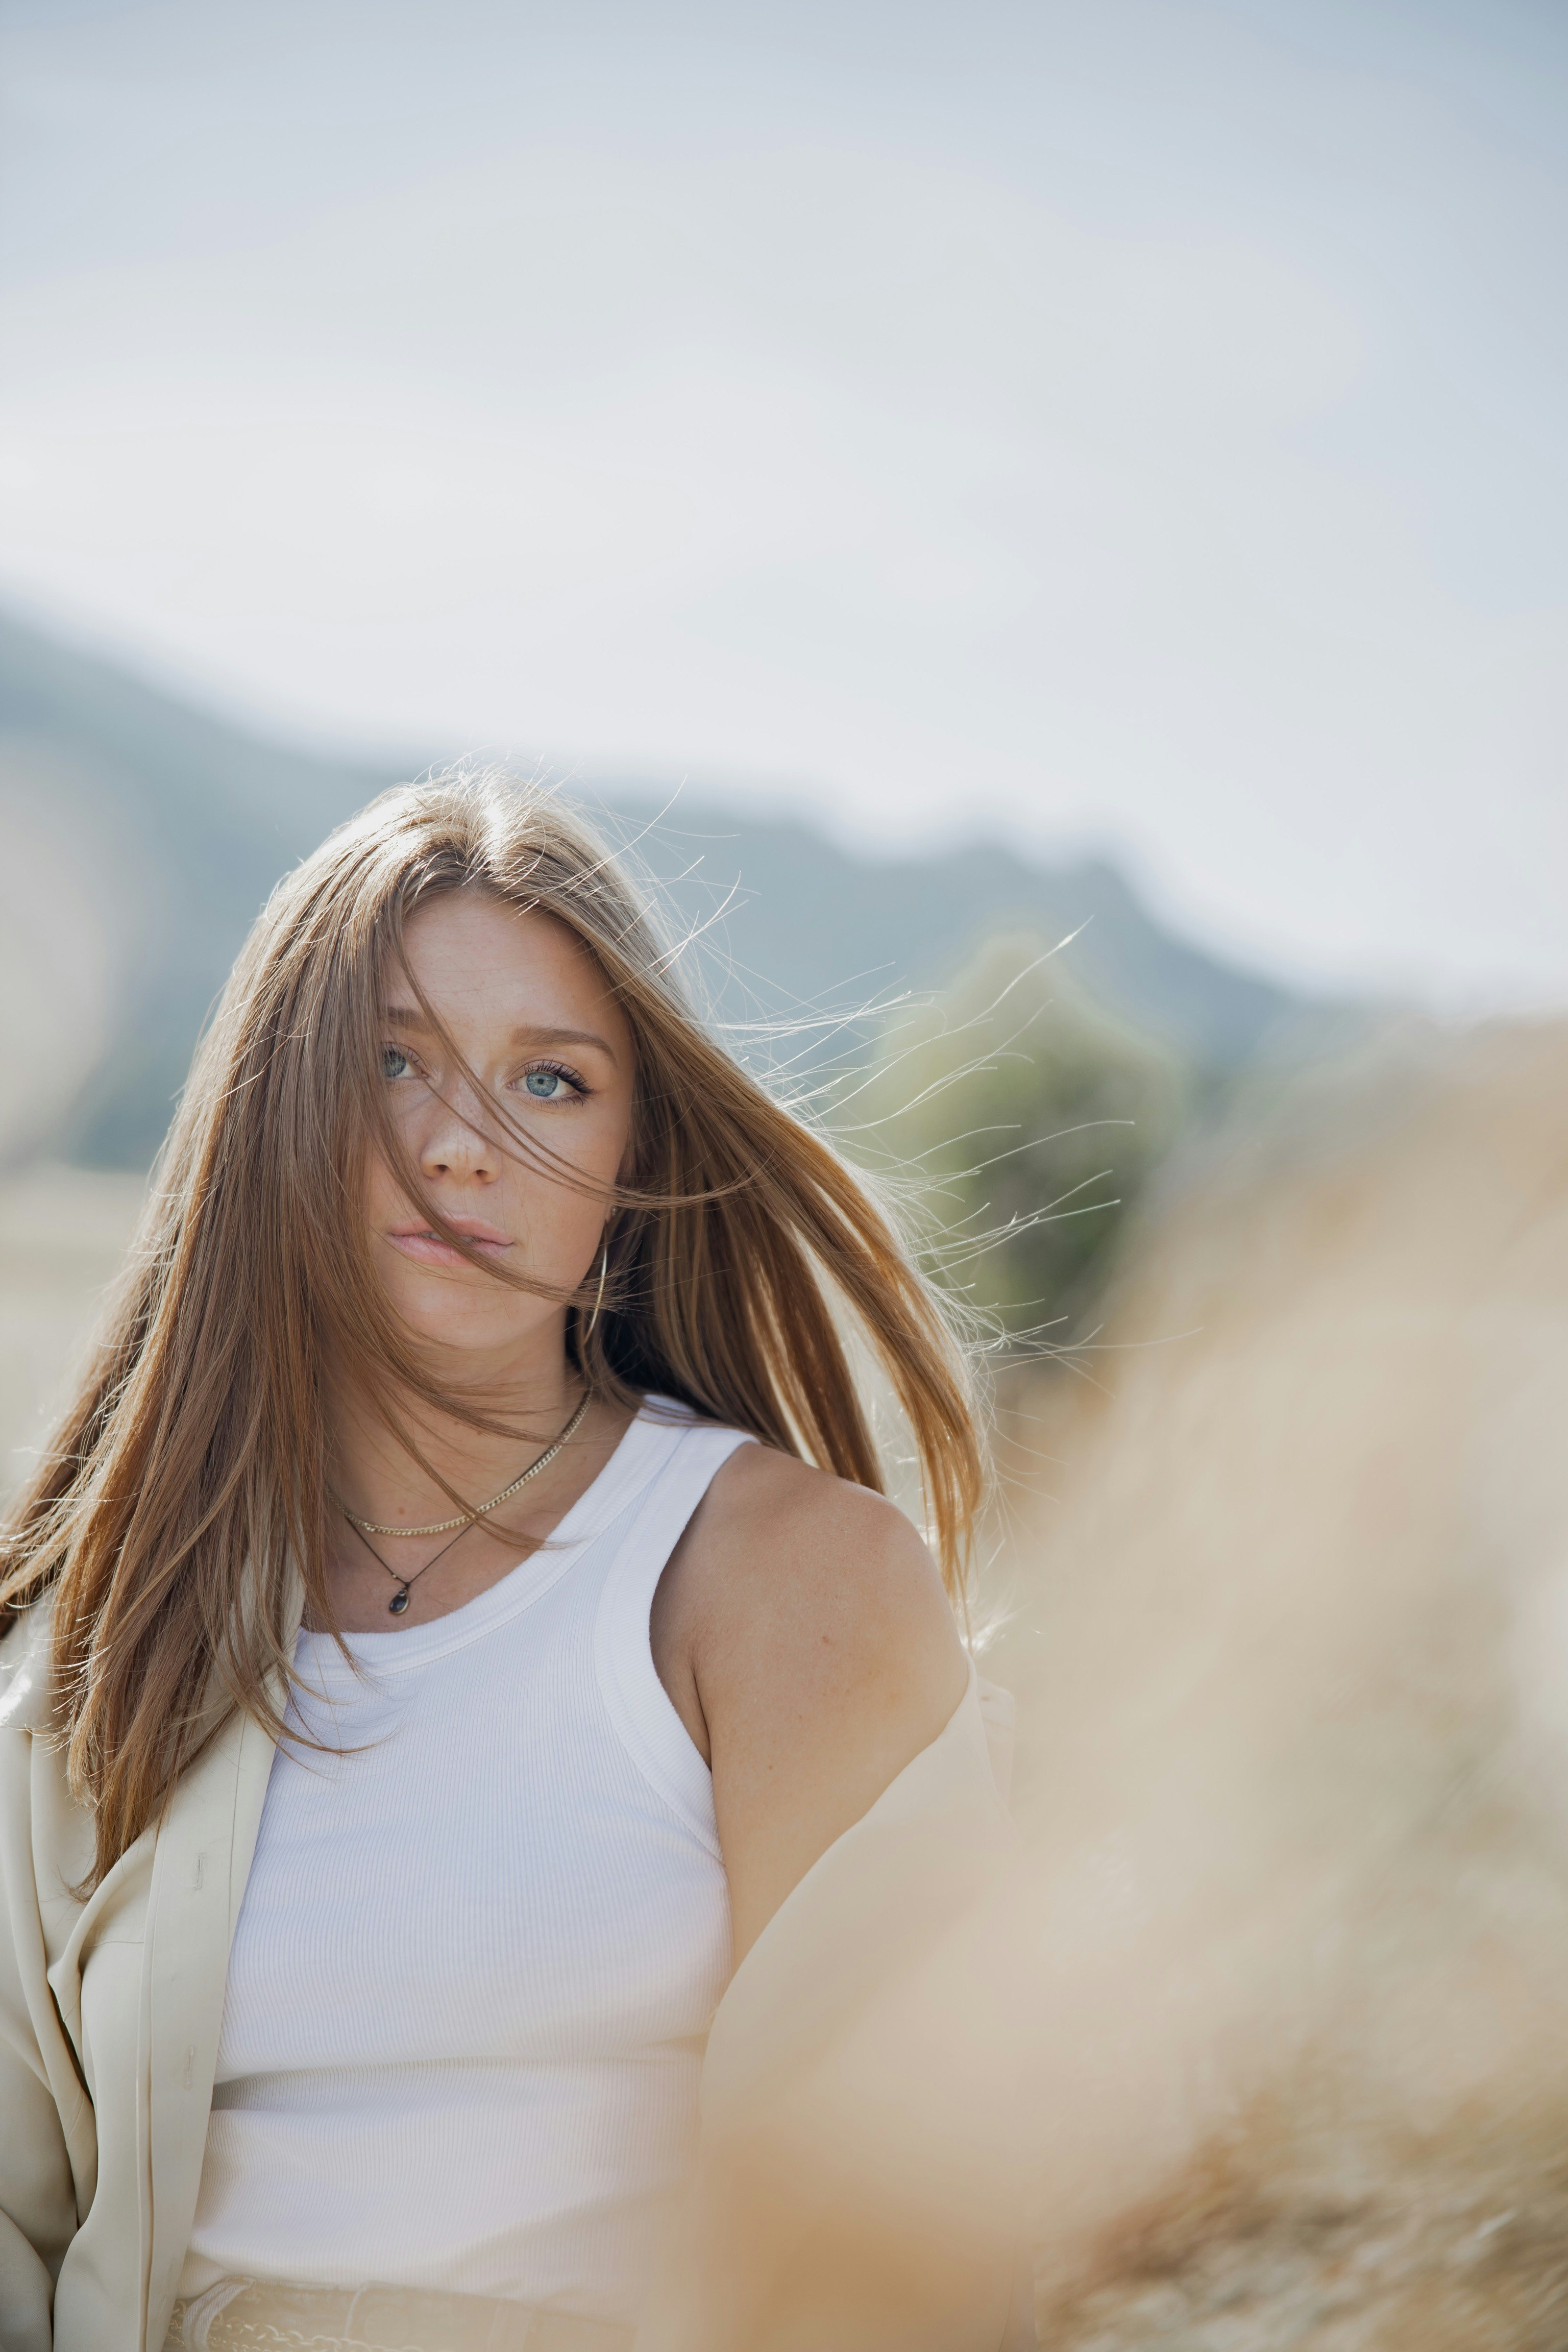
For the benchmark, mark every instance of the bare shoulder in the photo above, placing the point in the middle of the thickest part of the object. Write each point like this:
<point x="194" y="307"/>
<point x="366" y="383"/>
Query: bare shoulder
<point x="781" y="1552"/>
<point x="804" y="1634"/>
<point x="774" y="1500"/>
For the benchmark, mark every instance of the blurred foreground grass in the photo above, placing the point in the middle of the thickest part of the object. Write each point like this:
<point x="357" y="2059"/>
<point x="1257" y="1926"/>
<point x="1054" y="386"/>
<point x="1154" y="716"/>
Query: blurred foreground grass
<point x="1287" y="1556"/>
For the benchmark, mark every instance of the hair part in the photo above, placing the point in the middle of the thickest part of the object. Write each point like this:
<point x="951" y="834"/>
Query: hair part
<point x="185" y="1495"/>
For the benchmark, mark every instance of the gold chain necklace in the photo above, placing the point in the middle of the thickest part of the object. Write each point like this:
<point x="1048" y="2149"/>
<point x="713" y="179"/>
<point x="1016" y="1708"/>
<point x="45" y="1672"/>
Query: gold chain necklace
<point x="441" y="1527"/>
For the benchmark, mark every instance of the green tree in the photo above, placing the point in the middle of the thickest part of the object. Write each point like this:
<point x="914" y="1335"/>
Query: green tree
<point x="1024" y="1120"/>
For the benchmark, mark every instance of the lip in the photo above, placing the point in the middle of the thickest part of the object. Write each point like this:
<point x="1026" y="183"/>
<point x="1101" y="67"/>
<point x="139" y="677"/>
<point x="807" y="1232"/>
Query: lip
<point x="426" y="1248"/>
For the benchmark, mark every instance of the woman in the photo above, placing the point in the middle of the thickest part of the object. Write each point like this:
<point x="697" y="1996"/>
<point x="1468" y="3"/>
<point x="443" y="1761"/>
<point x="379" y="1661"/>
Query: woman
<point x="456" y="1624"/>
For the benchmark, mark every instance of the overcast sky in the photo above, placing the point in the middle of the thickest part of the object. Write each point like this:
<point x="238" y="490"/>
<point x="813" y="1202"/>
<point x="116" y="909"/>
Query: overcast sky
<point x="1135" y="422"/>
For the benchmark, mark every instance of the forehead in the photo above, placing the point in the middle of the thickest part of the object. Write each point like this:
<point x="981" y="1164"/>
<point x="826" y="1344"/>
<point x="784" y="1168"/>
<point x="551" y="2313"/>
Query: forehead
<point x="473" y="955"/>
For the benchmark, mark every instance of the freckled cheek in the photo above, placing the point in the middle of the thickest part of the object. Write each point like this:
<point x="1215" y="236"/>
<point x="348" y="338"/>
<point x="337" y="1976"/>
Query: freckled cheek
<point x="383" y="1200"/>
<point x="560" y="1214"/>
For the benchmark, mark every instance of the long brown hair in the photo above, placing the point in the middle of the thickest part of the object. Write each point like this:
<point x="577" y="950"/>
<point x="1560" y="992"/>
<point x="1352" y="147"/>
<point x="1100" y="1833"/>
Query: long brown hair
<point x="187" y="1488"/>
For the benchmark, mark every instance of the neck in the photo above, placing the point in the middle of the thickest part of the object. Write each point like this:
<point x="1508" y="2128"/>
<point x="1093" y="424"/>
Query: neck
<point x="378" y="1476"/>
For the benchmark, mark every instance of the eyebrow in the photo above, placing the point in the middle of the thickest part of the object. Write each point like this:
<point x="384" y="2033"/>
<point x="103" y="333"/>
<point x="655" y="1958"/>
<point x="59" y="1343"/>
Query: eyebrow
<point x="407" y="1017"/>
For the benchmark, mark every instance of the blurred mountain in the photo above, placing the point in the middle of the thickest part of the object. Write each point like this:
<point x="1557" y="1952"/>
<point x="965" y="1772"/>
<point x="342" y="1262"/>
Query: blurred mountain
<point x="794" y="923"/>
<point x="139" y="835"/>
<point x="173" y="826"/>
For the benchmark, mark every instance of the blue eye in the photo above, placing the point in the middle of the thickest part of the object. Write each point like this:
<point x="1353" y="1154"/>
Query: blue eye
<point x="547" y="1086"/>
<point x="394" y="1062"/>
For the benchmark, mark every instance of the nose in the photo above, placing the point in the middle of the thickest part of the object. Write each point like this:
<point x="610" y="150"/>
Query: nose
<point x="455" y="1143"/>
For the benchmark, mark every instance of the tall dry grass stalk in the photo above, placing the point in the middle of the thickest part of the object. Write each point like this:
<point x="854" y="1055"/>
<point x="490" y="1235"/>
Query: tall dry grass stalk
<point x="1291" y="1948"/>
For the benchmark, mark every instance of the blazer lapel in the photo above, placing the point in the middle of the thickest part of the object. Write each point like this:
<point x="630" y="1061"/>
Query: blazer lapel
<point x="199" y="1870"/>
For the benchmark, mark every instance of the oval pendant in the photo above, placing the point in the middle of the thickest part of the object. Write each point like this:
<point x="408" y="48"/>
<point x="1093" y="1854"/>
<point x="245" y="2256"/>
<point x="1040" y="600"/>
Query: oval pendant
<point x="399" y="1603"/>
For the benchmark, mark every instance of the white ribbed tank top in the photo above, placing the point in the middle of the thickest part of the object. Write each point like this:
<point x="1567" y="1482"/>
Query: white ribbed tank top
<point x="476" y="1961"/>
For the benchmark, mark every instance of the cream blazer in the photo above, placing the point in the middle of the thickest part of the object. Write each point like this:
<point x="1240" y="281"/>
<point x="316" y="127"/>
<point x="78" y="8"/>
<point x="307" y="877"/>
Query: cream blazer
<point x="803" y="2204"/>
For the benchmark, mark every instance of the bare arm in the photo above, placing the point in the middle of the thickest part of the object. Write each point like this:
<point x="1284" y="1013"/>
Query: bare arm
<point x="803" y="1637"/>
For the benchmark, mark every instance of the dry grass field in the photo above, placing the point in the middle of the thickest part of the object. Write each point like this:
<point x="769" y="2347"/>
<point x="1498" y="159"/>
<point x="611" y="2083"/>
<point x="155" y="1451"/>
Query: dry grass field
<point x="62" y="1234"/>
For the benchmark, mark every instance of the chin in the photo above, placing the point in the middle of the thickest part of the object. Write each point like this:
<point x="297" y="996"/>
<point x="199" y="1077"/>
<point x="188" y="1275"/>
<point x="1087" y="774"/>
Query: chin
<point x="475" y="1335"/>
<point x="467" y="1325"/>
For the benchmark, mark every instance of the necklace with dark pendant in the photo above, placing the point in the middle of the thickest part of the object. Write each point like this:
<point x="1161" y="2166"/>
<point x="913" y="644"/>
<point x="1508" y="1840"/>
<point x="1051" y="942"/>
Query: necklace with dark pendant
<point x="399" y="1601"/>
